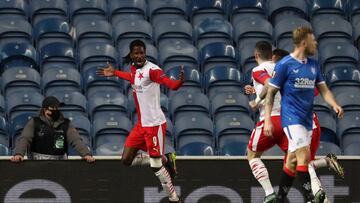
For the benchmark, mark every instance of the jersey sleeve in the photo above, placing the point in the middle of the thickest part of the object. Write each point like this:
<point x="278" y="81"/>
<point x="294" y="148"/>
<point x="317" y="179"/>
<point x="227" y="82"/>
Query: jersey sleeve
<point x="123" y="75"/>
<point x="158" y="76"/>
<point x="279" y="75"/>
<point x="319" y="77"/>
<point x="260" y="76"/>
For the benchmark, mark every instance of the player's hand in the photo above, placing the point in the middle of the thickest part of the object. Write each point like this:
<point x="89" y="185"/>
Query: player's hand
<point x="182" y="74"/>
<point x="89" y="158"/>
<point x="248" y="89"/>
<point x="253" y="105"/>
<point x="17" y="158"/>
<point x="106" y="71"/>
<point x="339" y="111"/>
<point x="268" y="128"/>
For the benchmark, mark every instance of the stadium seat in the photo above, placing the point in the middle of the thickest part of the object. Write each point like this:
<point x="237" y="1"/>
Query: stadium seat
<point x="17" y="55"/>
<point x="352" y="149"/>
<point x="164" y="103"/>
<point x="52" y="30"/>
<point x="349" y="102"/>
<point x="81" y="10"/>
<point x="357" y="36"/>
<point x="326" y="8"/>
<point x="4" y="150"/>
<point x="339" y="89"/>
<point x="242" y="9"/>
<point x="321" y="106"/>
<point x="2" y="105"/>
<point x="4" y="137"/>
<point x="354" y="13"/>
<point x="164" y="9"/>
<point x="14" y="9"/>
<point x="177" y="29"/>
<point x="247" y="62"/>
<point x="192" y="83"/>
<point x="234" y="148"/>
<point x="279" y="10"/>
<point x="17" y="125"/>
<point x="222" y="79"/>
<point x="74" y="101"/>
<point x="252" y="30"/>
<point x="328" y="127"/>
<point x="151" y="53"/>
<point x="196" y="149"/>
<point x="93" y="31"/>
<point x="185" y="103"/>
<point x="349" y="127"/>
<point x="83" y="126"/>
<point x="213" y="30"/>
<point x="40" y="9"/>
<point x="96" y="55"/>
<point x="57" y="55"/>
<point x="328" y="147"/>
<point x="343" y="76"/>
<point x="127" y="9"/>
<point x="194" y="128"/>
<point x="274" y="151"/>
<point x="61" y="79"/>
<point x="217" y="54"/>
<point x="23" y="101"/>
<point x="15" y="30"/>
<point x="229" y="103"/>
<point x="203" y="9"/>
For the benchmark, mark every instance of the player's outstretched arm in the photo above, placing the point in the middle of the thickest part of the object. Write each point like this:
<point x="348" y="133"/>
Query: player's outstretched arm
<point x="159" y="77"/>
<point x="330" y="99"/>
<point x="269" y="102"/>
<point x="109" y="71"/>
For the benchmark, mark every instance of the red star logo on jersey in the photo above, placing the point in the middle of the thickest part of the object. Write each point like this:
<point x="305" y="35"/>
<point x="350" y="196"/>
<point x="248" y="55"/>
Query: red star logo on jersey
<point x="140" y="76"/>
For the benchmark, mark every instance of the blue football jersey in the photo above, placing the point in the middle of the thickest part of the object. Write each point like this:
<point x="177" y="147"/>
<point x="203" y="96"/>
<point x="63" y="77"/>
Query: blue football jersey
<point x="296" y="81"/>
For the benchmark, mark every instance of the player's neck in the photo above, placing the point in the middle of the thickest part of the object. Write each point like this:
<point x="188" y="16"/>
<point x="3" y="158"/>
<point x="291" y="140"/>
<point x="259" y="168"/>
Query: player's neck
<point x="299" y="54"/>
<point x="263" y="61"/>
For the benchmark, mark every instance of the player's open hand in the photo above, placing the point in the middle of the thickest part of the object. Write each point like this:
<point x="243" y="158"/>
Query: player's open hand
<point x="17" y="158"/>
<point x="182" y="73"/>
<point x="248" y="89"/>
<point x="268" y="128"/>
<point x="106" y="71"/>
<point x="339" y="111"/>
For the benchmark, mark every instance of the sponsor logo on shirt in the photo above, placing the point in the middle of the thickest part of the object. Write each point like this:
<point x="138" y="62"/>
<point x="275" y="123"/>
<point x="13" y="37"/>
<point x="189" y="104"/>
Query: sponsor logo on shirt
<point x="304" y="83"/>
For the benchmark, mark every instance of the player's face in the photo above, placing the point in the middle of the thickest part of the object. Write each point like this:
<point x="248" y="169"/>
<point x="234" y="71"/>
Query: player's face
<point x="138" y="56"/>
<point x="311" y="44"/>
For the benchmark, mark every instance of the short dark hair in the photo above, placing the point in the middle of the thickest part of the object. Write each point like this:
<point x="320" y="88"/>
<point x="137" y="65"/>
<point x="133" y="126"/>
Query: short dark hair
<point x="132" y="45"/>
<point x="279" y="54"/>
<point x="264" y="49"/>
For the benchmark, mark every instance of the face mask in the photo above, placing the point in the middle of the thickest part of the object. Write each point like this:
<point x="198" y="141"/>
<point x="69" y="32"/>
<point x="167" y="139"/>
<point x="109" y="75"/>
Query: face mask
<point x="55" y="114"/>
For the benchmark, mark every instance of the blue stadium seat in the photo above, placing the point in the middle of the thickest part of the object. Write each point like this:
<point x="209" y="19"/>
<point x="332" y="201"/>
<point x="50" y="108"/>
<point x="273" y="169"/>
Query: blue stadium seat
<point x="213" y="30"/>
<point x="178" y="29"/>
<point x="127" y="9"/>
<point x="14" y="9"/>
<point x="252" y="30"/>
<point x="343" y="76"/>
<point x="196" y="149"/>
<point x="4" y="137"/>
<point x="203" y="9"/>
<point x="109" y="134"/>
<point x="283" y="30"/>
<point x="192" y="83"/>
<point x="74" y="101"/>
<point x="52" y="30"/>
<point x="4" y="150"/>
<point x="321" y="106"/>
<point x="357" y="36"/>
<point x="15" y="30"/>
<point x="353" y="149"/>
<point x="96" y="55"/>
<point x="274" y="151"/>
<point x="247" y="62"/>
<point x="17" y="54"/>
<point x="107" y="101"/>
<point x="217" y="54"/>
<point x="128" y="30"/>
<point x="93" y="31"/>
<point x="242" y="9"/>
<point x="185" y="103"/>
<point x="222" y="79"/>
<point x="228" y="103"/>
<point x="328" y="127"/>
<point x="20" y="78"/>
<point x="151" y="53"/>
<point x="61" y="79"/>
<point x="354" y="12"/>
<point x="17" y="125"/>
<point x="164" y="9"/>
<point x="326" y="8"/>
<point x="349" y="127"/>
<point x="23" y="101"/>
<point x="234" y="148"/>
<point x="338" y="54"/>
<point x="194" y="128"/>
<point x="339" y="89"/>
<point x="40" y="9"/>
<point x="57" y="55"/>
<point x="176" y="53"/>
<point x="2" y="105"/>
<point x="81" y="10"/>
<point x="328" y="147"/>
<point x="349" y="102"/>
<point x="279" y="10"/>
<point x="83" y="126"/>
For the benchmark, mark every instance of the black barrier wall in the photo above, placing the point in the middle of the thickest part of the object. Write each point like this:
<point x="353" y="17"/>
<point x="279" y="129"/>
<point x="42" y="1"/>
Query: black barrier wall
<point x="203" y="181"/>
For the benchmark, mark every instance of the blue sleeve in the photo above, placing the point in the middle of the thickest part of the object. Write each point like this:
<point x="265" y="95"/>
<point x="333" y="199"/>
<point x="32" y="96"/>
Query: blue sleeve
<point x="319" y="76"/>
<point x="279" y="75"/>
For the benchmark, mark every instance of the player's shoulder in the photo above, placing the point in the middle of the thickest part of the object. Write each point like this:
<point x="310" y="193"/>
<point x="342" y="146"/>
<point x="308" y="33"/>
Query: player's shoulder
<point x="285" y="60"/>
<point x="313" y="61"/>
<point x="152" y="66"/>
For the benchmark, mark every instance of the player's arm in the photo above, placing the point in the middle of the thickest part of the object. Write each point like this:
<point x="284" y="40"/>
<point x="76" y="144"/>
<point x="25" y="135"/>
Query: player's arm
<point x="262" y="77"/>
<point x="269" y="102"/>
<point x="110" y="71"/>
<point x="330" y="99"/>
<point x="158" y="76"/>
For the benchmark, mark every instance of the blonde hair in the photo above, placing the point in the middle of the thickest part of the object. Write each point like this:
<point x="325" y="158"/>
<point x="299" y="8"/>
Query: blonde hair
<point x="301" y="33"/>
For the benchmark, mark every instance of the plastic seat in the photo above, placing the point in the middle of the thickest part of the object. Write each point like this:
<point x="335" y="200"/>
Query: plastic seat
<point x="127" y="9"/>
<point x="61" y="79"/>
<point x="349" y="127"/>
<point x="81" y="10"/>
<point x="20" y="78"/>
<point x="336" y="90"/>
<point x="229" y="103"/>
<point x="234" y="149"/>
<point x="17" y="55"/>
<point x="274" y="151"/>
<point x="321" y="106"/>
<point x="217" y="54"/>
<point x="242" y="9"/>
<point x="252" y="30"/>
<point x="349" y="102"/>
<point x="247" y="62"/>
<point x="222" y="79"/>
<point x="173" y="29"/>
<point x="14" y="9"/>
<point x="15" y="30"/>
<point x="2" y="105"/>
<point x="163" y="9"/>
<point x="354" y="12"/>
<point x="352" y="149"/>
<point x="328" y="127"/>
<point x="83" y="126"/>
<point x="192" y="83"/>
<point x="194" y="128"/>
<point x="4" y="150"/>
<point x="40" y="9"/>
<point x="96" y="55"/>
<point x="196" y="149"/>
<point x="328" y="147"/>
<point x="93" y="31"/>
<point x="343" y="76"/>
<point x="213" y="30"/>
<point x="4" y="137"/>
<point x="357" y="36"/>
<point x="185" y="103"/>
<point x="57" y="55"/>
<point x="203" y="9"/>
<point x="151" y="53"/>
<point x="17" y="125"/>
<point x="280" y="9"/>
<point x="327" y="8"/>
<point x="74" y="101"/>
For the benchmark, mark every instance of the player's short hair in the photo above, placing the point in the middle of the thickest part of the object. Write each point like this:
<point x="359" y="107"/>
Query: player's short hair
<point x="263" y="48"/>
<point x="132" y="45"/>
<point x="278" y="54"/>
<point x="300" y="33"/>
